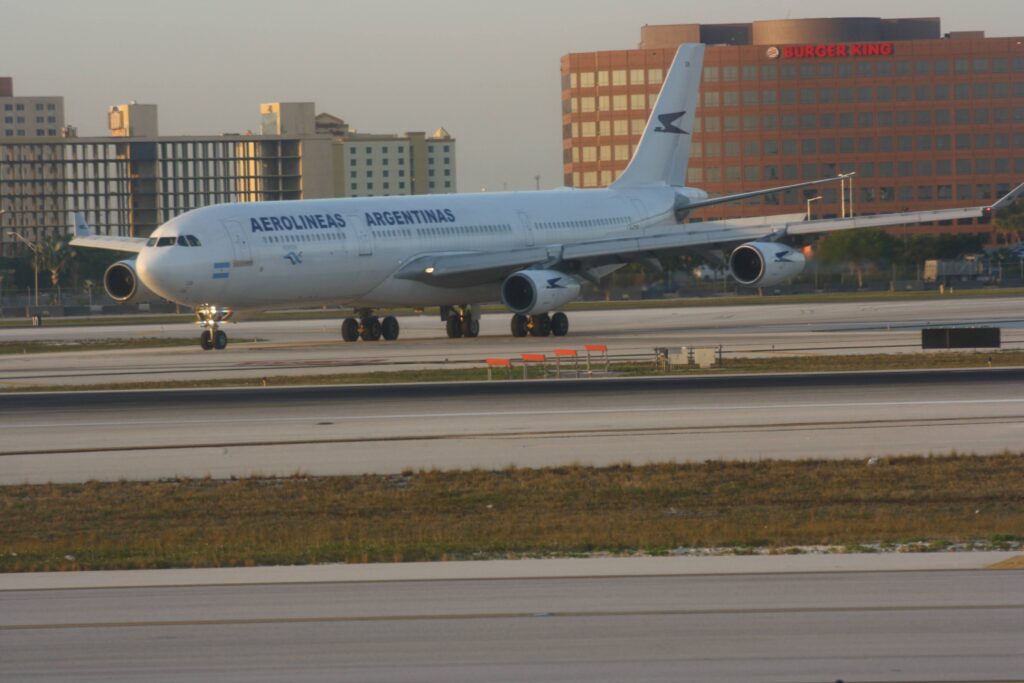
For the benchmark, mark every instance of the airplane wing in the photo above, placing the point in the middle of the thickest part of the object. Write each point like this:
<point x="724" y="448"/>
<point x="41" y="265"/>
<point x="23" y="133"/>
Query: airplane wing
<point x="459" y="269"/>
<point x="85" y="238"/>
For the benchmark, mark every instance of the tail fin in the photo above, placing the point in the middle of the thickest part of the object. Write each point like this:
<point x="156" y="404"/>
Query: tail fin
<point x="664" y="150"/>
<point x="81" y="227"/>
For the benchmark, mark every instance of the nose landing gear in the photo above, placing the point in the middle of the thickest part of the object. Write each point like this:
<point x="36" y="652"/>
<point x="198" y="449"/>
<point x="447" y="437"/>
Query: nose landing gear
<point x="210" y="318"/>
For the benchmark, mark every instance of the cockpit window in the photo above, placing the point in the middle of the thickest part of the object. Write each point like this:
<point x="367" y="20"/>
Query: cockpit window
<point x="151" y="242"/>
<point x="181" y="241"/>
<point x="166" y="241"/>
<point x="193" y="241"/>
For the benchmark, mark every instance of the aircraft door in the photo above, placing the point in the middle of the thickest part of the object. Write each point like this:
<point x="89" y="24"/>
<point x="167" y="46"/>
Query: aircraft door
<point x="238" y="235"/>
<point x="364" y="236"/>
<point x="527" y="224"/>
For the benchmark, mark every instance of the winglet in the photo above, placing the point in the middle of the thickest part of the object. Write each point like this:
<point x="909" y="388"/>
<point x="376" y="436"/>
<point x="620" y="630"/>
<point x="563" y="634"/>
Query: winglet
<point x="81" y="227"/>
<point x="1009" y="197"/>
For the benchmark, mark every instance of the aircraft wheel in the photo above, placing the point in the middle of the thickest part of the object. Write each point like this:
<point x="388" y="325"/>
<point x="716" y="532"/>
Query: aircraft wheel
<point x="350" y="329"/>
<point x="220" y="340"/>
<point x="206" y="340"/>
<point x="453" y="326"/>
<point x="371" y="329"/>
<point x="519" y="325"/>
<point x="389" y="328"/>
<point x="540" y="325"/>
<point x="470" y="327"/>
<point x="559" y="324"/>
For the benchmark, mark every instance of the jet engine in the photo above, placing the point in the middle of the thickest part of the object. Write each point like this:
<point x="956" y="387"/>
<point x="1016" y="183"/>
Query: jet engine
<point x="123" y="284"/>
<point x="531" y="292"/>
<point x="765" y="264"/>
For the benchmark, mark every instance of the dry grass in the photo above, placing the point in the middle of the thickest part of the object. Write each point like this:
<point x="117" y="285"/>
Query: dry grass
<point x="514" y="512"/>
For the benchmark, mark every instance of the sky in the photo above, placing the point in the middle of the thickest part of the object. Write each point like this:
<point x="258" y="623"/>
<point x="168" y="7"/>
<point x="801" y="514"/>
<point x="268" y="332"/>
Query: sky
<point x="488" y="72"/>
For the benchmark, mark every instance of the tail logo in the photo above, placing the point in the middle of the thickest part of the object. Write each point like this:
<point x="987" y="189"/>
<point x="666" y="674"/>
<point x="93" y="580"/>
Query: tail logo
<point x="782" y="256"/>
<point x="668" y="122"/>
<point x="553" y="283"/>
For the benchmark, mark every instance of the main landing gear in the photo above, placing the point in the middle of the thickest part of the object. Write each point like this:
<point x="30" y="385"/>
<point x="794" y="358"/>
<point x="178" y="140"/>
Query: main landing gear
<point x="540" y="325"/>
<point x="369" y="327"/>
<point x="460" y="321"/>
<point x="210" y="318"/>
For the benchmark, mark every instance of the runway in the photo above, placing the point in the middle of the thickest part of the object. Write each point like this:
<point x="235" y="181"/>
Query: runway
<point x="389" y="428"/>
<point x="313" y="347"/>
<point x="910" y="625"/>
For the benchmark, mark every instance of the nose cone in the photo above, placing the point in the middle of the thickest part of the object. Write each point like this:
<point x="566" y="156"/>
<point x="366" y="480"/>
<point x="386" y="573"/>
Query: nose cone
<point x="169" y="272"/>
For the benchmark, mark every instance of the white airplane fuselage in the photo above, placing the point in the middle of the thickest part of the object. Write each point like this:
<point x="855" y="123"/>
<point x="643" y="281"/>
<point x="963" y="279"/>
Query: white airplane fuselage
<point x="345" y="251"/>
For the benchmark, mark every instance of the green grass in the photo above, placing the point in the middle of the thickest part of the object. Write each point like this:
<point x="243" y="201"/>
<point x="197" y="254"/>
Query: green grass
<point x="689" y="302"/>
<point x="560" y="511"/>
<point x="24" y="347"/>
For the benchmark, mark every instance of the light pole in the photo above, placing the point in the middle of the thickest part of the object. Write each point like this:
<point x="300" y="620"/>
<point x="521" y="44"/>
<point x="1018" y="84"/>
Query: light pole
<point x="812" y="199"/>
<point x="35" y="260"/>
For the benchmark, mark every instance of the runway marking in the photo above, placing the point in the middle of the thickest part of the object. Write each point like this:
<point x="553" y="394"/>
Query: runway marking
<point x="549" y="434"/>
<point x="521" y="413"/>
<point x="255" y="621"/>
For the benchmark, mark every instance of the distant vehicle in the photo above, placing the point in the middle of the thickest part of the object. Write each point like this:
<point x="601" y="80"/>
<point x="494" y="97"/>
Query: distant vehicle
<point x="1017" y="251"/>
<point x="530" y="250"/>
<point x="969" y="267"/>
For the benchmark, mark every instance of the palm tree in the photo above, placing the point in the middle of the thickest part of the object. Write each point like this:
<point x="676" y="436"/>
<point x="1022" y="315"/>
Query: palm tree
<point x="54" y="254"/>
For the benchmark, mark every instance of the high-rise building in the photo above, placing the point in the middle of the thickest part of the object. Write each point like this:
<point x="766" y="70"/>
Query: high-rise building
<point x="925" y="120"/>
<point x="368" y="164"/>
<point x="28" y="117"/>
<point x="134" y="180"/>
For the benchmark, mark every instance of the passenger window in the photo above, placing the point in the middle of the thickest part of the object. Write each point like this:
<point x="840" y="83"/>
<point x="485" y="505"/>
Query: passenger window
<point x="166" y="241"/>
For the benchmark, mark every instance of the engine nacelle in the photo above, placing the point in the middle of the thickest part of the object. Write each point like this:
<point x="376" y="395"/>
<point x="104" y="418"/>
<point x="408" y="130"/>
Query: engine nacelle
<point x="538" y="291"/>
<point x="123" y="284"/>
<point x="765" y="264"/>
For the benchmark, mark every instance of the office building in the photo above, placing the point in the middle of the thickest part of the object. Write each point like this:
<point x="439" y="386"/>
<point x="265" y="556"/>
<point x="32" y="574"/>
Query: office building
<point x="925" y="120"/>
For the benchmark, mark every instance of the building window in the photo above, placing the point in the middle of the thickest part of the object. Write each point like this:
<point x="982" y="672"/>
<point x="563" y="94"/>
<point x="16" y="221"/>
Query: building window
<point x="636" y="76"/>
<point x="619" y="77"/>
<point x="750" y="72"/>
<point x="710" y="74"/>
<point x="769" y="72"/>
<point x="587" y="79"/>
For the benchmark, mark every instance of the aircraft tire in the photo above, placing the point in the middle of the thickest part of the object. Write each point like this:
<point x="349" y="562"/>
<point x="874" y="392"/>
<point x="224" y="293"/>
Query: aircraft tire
<point x="206" y="340"/>
<point x="350" y="329"/>
<point x="540" y="325"/>
<point x="389" y="328"/>
<point x="559" y="324"/>
<point x="371" y="329"/>
<point x="470" y="327"/>
<point x="519" y="325"/>
<point x="453" y="326"/>
<point x="220" y="340"/>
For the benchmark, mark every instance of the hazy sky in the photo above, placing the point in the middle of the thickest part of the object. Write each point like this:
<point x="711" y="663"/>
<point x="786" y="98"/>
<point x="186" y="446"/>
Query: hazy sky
<point x="486" y="71"/>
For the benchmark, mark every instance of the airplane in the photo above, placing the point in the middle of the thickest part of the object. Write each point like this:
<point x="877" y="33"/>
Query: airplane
<point x="530" y="250"/>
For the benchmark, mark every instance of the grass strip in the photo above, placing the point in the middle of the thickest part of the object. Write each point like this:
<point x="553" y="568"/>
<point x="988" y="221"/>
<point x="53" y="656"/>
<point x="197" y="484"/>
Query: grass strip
<point x="55" y="346"/>
<point x="686" y="302"/>
<point x="476" y="514"/>
<point x="778" y="363"/>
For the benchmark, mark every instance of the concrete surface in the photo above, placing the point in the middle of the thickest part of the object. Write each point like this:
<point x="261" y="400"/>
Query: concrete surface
<point x="856" y="626"/>
<point x="388" y="428"/>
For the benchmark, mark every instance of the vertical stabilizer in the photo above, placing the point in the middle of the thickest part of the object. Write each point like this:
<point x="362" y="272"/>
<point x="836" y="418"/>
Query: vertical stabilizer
<point x="664" y="150"/>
